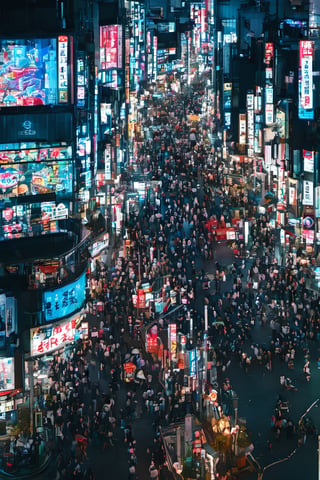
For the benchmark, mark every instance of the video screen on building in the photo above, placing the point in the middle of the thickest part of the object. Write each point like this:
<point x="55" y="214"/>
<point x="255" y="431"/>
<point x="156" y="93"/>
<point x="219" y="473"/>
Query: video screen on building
<point x="35" y="154"/>
<point x="31" y="219"/>
<point x="33" y="72"/>
<point x="6" y="374"/>
<point x="31" y="178"/>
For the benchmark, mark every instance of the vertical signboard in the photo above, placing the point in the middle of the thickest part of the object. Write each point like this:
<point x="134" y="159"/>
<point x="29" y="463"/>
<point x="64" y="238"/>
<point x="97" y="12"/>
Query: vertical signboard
<point x="305" y="110"/>
<point x="110" y="47"/>
<point x="63" y="68"/>
<point x="242" y="128"/>
<point x="173" y="340"/>
<point x="250" y="123"/>
<point x="307" y="193"/>
<point x="268" y="53"/>
<point x="268" y="58"/>
<point x="308" y="161"/>
<point x="193" y="362"/>
<point x="107" y="162"/>
<point x="227" y="93"/>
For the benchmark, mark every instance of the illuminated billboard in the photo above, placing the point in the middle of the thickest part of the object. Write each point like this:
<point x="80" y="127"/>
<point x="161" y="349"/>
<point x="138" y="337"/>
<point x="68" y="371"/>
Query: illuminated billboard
<point x="268" y="52"/>
<point x="31" y="219"/>
<point x="64" y="301"/>
<point x="7" y="374"/>
<point x="35" y="154"/>
<point x="47" y="338"/>
<point x="29" y="178"/>
<point x="308" y="161"/>
<point x="33" y="72"/>
<point x="110" y="47"/>
<point x="305" y="79"/>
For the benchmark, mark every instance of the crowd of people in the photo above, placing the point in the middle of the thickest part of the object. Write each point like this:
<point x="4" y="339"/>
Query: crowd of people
<point x="169" y="239"/>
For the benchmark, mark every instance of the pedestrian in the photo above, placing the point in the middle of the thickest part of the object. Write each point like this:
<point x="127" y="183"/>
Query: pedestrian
<point x="306" y="370"/>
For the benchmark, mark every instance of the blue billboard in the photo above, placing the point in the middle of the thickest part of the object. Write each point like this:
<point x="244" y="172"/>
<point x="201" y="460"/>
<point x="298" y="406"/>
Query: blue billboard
<point x="64" y="301"/>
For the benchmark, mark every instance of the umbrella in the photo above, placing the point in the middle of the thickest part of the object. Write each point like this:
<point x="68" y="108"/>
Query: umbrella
<point x="135" y="351"/>
<point x="140" y="375"/>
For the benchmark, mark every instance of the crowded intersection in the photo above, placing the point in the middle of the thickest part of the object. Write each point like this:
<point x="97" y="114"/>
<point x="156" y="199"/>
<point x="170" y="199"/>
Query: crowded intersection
<point x="230" y="337"/>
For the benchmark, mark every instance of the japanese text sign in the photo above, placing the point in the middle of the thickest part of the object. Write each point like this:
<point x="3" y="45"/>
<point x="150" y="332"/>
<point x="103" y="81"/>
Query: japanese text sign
<point x="65" y="300"/>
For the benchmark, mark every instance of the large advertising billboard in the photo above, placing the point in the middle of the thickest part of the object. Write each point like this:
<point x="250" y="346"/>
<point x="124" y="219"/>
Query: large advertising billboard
<point x="32" y="219"/>
<point x="110" y="47"/>
<point x="47" y="338"/>
<point x="28" y="178"/>
<point x="35" y="154"/>
<point x="33" y="71"/>
<point x="64" y="301"/>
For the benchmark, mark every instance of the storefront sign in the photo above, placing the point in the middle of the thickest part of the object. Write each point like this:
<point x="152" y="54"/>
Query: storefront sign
<point x="48" y="338"/>
<point x="65" y="300"/>
<point x="308" y="235"/>
<point x="307" y="193"/>
<point x="308" y="161"/>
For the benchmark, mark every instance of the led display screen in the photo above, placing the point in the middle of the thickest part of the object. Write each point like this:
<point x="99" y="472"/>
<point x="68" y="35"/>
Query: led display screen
<point x="28" y="72"/>
<point x="64" y="301"/>
<point x="31" y="219"/>
<point x="33" y="72"/>
<point x="35" y="155"/>
<point x="29" y="178"/>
